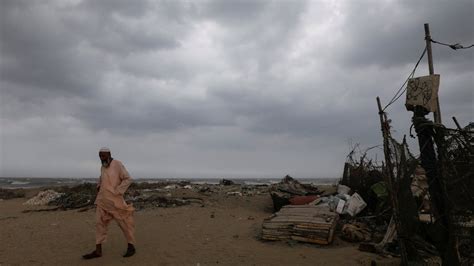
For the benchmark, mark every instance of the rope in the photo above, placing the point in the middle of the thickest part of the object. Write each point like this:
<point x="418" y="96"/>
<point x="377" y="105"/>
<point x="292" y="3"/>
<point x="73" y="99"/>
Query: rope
<point x="399" y="93"/>
<point x="455" y="46"/>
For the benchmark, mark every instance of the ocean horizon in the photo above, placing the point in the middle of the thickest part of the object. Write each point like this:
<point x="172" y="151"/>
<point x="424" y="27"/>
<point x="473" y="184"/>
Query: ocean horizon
<point x="38" y="182"/>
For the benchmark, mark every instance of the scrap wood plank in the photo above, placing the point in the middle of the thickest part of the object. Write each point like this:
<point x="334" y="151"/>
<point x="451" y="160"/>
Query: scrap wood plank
<point x="277" y="233"/>
<point x="313" y="227"/>
<point x="309" y="232"/>
<point x="320" y="209"/>
<point x="308" y="211"/>
<point x="305" y="214"/>
<point x="301" y="220"/>
<point x="304" y="223"/>
<point x="323" y="236"/>
<point x="313" y="220"/>
<point x="315" y="241"/>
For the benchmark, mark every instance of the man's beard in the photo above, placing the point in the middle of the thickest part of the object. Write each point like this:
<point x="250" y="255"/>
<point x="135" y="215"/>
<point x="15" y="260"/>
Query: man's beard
<point x="106" y="163"/>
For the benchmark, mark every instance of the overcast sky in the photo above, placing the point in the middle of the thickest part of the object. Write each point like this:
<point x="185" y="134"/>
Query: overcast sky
<point x="216" y="88"/>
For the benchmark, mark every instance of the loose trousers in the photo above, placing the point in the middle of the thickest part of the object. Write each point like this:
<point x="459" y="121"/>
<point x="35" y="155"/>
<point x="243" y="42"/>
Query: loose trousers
<point x="124" y="221"/>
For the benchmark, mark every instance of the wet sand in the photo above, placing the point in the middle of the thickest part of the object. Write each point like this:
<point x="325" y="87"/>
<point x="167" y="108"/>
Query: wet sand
<point x="225" y="231"/>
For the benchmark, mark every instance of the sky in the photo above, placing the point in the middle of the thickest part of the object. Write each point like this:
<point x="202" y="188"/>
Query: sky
<point x="216" y="88"/>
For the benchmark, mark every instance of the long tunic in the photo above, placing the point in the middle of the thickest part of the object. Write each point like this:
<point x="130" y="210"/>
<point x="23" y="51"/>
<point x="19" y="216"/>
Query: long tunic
<point x="114" y="181"/>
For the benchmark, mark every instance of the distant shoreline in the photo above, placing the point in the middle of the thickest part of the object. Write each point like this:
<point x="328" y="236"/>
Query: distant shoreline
<point x="37" y="182"/>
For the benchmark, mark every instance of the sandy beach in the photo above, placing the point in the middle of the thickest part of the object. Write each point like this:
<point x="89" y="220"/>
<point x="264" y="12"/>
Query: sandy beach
<point x="225" y="230"/>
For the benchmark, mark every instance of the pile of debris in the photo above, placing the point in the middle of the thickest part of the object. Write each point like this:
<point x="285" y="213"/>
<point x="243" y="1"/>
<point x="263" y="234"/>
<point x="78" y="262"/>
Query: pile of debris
<point x="155" y="201"/>
<point x="306" y="216"/>
<point x="226" y="182"/>
<point x="365" y="177"/>
<point x="304" y="223"/>
<point x="76" y="197"/>
<point x="43" y="198"/>
<point x="343" y="202"/>
<point x="289" y="190"/>
<point x="144" y="195"/>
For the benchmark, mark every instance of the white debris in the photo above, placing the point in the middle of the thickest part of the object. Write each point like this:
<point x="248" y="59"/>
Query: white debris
<point x="237" y="193"/>
<point x="188" y="187"/>
<point x="43" y="197"/>
<point x="341" y="189"/>
<point x="171" y="187"/>
<point x="340" y="206"/>
<point x="355" y="204"/>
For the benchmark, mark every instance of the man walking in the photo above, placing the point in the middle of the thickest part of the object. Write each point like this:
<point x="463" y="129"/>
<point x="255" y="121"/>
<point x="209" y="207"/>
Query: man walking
<point x="110" y="204"/>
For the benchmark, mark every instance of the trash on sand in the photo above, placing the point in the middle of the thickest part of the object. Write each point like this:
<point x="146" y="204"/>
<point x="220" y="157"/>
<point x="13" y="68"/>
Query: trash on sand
<point x="378" y="200"/>
<point x="355" y="205"/>
<point x="43" y="197"/>
<point x="234" y="193"/>
<point x="226" y="182"/>
<point x="288" y="188"/>
<point x="301" y="200"/>
<point x="76" y="197"/>
<point x="154" y="200"/>
<point x="342" y="189"/>
<point x="356" y="232"/>
<point x="304" y="223"/>
<point x="316" y="201"/>
<point x="340" y="206"/>
<point x="171" y="187"/>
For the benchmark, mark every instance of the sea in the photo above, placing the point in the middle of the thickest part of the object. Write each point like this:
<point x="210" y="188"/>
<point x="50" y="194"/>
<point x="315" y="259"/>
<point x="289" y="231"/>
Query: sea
<point x="38" y="182"/>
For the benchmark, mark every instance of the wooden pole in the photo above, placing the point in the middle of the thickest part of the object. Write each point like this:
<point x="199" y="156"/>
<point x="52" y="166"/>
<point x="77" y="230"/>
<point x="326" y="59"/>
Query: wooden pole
<point x="390" y="179"/>
<point x="437" y="113"/>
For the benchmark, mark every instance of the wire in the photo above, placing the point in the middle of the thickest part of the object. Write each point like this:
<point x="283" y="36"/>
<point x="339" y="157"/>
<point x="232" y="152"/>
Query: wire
<point x="455" y="46"/>
<point x="399" y="93"/>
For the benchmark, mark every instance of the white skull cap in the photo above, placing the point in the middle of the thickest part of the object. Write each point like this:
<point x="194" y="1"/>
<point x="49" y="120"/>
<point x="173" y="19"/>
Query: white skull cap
<point x="104" y="149"/>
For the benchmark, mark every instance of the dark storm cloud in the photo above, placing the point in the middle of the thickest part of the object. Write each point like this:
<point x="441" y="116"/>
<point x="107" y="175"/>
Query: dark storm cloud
<point x="391" y="33"/>
<point x="130" y="118"/>
<point x="239" y="12"/>
<point x="249" y="86"/>
<point x="116" y="27"/>
<point x="294" y="116"/>
<point x="262" y="35"/>
<point x="40" y="54"/>
<point x="121" y="7"/>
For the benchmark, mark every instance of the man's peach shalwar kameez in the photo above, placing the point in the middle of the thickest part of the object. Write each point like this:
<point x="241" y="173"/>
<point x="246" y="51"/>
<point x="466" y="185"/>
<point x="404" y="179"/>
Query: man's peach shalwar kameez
<point x="114" y="181"/>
